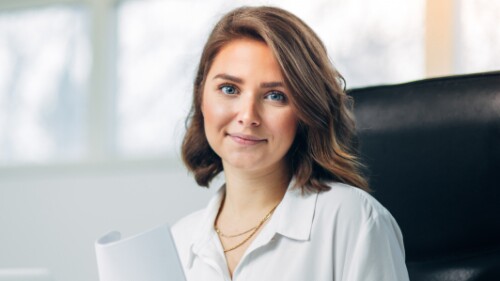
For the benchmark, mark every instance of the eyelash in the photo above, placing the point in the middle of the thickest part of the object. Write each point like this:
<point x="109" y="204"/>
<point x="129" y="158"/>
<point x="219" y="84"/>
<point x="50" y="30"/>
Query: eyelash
<point x="283" y="97"/>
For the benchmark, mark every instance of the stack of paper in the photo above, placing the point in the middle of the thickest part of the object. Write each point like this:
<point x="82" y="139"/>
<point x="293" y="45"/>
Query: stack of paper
<point x="149" y="256"/>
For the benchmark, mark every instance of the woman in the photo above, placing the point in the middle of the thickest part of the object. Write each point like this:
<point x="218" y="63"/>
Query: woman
<point x="270" y="111"/>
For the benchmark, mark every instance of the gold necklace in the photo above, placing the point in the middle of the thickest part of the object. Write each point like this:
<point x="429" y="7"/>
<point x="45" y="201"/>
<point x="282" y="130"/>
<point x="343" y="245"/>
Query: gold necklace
<point x="233" y="235"/>
<point x="253" y="229"/>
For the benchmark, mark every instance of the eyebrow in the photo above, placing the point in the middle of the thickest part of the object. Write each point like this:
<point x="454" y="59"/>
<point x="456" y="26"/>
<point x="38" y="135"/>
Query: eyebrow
<point x="272" y="85"/>
<point x="240" y="81"/>
<point x="228" y="77"/>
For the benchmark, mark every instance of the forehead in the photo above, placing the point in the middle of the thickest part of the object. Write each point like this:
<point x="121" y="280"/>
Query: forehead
<point x="242" y="57"/>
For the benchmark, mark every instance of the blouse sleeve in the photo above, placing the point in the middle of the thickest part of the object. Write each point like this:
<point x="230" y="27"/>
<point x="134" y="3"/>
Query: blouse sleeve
<point x="378" y="252"/>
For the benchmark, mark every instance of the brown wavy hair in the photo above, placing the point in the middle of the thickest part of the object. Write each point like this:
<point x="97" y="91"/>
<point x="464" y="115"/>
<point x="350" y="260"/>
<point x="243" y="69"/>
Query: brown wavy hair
<point x="324" y="149"/>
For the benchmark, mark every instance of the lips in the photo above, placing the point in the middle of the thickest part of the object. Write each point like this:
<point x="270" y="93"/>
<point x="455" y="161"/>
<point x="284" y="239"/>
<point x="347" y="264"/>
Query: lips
<point x="246" y="139"/>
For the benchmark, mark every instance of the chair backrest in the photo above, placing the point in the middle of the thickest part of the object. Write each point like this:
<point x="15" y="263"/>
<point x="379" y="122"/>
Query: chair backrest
<point x="432" y="148"/>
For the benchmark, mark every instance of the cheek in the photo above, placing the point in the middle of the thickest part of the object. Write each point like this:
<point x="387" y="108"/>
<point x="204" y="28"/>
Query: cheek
<point x="287" y="127"/>
<point x="208" y="124"/>
<point x="215" y="114"/>
<point x="211" y="114"/>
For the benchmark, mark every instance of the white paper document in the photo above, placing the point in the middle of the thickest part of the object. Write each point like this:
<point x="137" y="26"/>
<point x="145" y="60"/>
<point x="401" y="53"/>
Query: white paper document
<point x="149" y="256"/>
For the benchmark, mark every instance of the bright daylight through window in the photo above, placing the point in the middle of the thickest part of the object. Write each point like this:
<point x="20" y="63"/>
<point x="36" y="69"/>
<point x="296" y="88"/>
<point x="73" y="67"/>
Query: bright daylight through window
<point x="50" y="80"/>
<point x="44" y="63"/>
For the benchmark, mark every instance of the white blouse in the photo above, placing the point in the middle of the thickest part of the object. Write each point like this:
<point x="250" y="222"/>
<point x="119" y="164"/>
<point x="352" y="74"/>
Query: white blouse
<point x="341" y="234"/>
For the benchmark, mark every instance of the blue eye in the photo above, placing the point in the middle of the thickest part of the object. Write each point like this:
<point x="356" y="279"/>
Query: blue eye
<point x="228" y="90"/>
<point x="276" y="96"/>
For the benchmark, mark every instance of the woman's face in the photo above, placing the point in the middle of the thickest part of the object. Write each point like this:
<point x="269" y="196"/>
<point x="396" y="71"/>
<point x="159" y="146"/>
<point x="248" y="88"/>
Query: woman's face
<point x="248" y="118"/>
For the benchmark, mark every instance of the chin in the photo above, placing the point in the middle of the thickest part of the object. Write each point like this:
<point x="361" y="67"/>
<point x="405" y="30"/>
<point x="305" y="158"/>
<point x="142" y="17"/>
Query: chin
<point x="245" y="163"/>
<point x="248" y="166"/>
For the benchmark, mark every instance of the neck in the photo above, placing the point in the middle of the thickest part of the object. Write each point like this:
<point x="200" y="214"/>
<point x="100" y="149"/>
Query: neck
<point x="250" y="191"/>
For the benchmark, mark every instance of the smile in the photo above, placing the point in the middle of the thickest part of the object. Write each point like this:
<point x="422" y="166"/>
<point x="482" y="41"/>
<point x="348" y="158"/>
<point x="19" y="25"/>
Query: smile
<point x="246" y="139"/>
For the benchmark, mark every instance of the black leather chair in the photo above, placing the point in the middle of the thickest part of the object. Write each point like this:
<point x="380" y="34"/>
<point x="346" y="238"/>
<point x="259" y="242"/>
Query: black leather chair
<point x="432" y="148"/>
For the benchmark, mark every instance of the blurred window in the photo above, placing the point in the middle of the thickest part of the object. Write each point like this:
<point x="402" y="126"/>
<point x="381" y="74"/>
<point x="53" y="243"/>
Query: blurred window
<point x="44" y="65"/>
<point x="478" y="32"/>
<point x="159" y="43"/>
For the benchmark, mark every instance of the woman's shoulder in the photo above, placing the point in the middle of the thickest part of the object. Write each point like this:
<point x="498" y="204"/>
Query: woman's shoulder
<point x="362" y="231"/>
<point x="196" y="225"/>
<point x="188" y="223"/>
<point x="350" y="203"/>
<point x="184" y="232"/>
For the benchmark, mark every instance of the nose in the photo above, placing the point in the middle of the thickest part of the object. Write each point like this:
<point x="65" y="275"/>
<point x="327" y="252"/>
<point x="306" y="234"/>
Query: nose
<point x="249" y="115"/>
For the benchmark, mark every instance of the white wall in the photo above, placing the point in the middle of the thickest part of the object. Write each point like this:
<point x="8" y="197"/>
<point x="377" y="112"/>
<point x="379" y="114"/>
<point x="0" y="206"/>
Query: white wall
<point x="50" y="217"/>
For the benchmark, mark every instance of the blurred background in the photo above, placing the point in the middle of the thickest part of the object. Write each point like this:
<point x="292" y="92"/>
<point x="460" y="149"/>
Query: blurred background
<point x="94" y="94"/>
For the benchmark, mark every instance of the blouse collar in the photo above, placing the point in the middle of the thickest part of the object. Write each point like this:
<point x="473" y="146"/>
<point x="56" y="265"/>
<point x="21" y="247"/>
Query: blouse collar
<point x="292" y="218"/>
